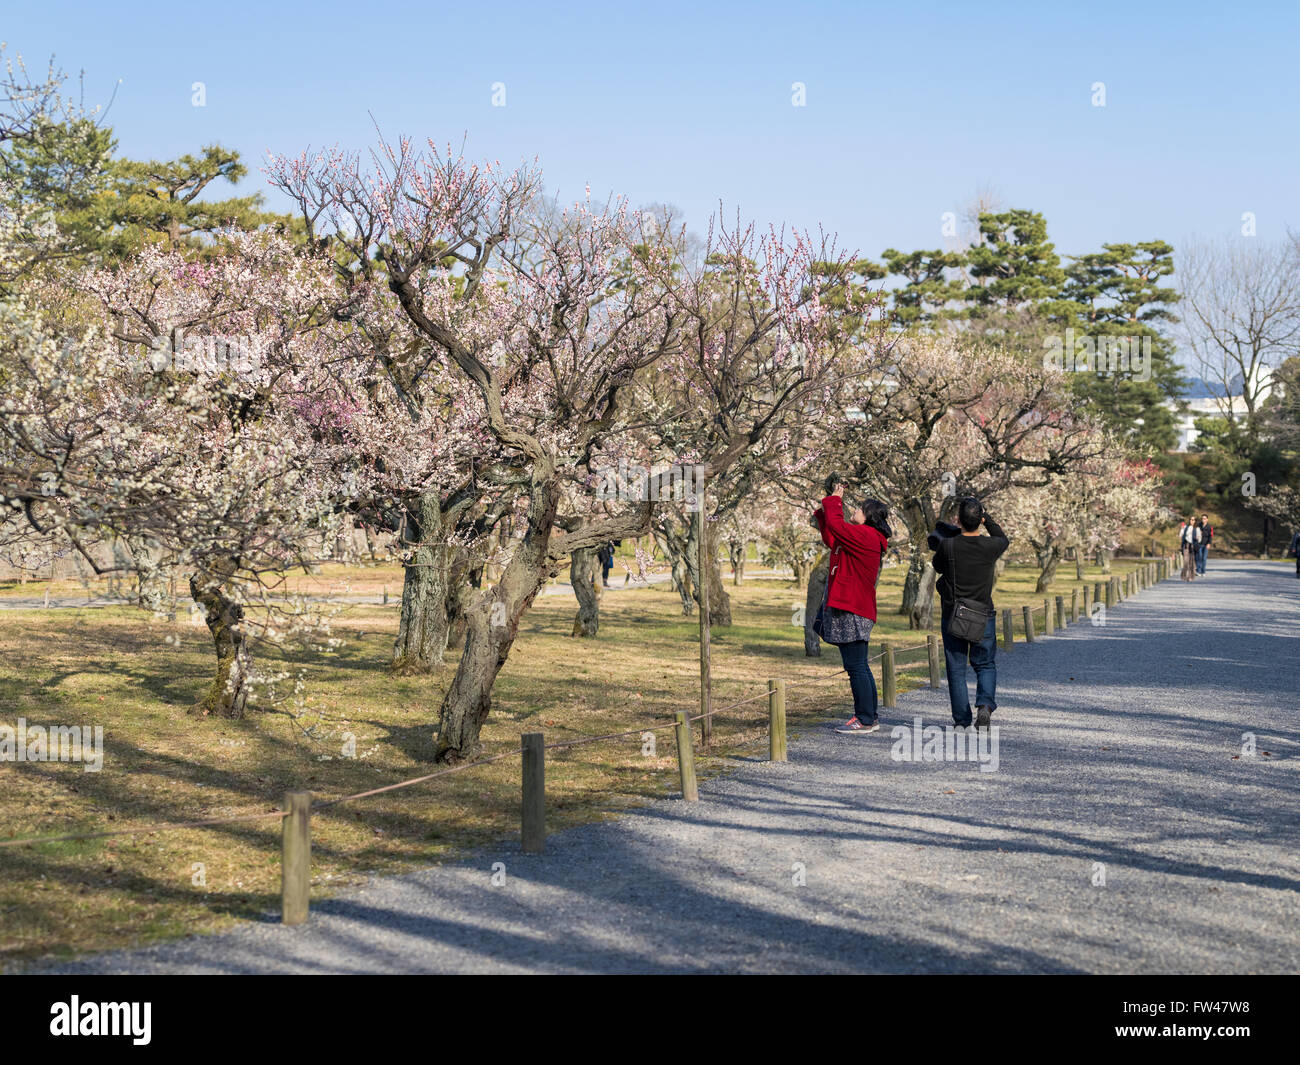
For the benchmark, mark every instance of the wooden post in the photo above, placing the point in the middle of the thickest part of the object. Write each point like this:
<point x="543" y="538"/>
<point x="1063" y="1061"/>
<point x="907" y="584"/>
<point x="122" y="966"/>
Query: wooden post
<point x="1098" y="592"/>
<point x="295" y="858"/>
<point x="1008" y="636"/>
<point x="706" y="721"/>
<point x="776" y="721"/>
<point x="932" y="652"/>
<point x="1048" y="627"/>
<point x="532" y="748"/>
<point x="1029" y="624"/>
<point x="1110" y="593"/>
<point x="385" y="595"/>
<point x="686" y="757"/>
<point x="1060" y="611"/>
<point x="888" y="679"/>
<point x="1087" y="601"/>
<point x="1074" y="603"/>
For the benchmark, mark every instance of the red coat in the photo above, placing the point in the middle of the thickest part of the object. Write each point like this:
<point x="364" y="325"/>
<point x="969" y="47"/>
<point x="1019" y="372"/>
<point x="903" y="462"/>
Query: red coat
<point x="857" y="552"/>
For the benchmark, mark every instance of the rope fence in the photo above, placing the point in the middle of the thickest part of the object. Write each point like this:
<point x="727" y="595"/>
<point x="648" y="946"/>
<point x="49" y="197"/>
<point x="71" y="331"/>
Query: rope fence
<point x="295" y="815"/>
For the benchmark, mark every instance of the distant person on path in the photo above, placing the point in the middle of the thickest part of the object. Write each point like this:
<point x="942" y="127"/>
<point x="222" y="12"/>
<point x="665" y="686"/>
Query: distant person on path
<point x="605" y="555"/>
<point x="1207" y="537"/>
<point x="1188" y="538"/>
<point x="1294" y="549"/>
<point x="848" y="612"/>
<point x="966" y="565"/>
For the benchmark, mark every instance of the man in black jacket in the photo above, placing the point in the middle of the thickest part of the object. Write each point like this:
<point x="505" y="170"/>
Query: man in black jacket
<point x="969" y="558"/>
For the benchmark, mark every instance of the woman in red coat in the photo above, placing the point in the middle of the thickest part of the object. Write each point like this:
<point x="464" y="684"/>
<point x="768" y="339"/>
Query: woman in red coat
<point x="848" y="611"/>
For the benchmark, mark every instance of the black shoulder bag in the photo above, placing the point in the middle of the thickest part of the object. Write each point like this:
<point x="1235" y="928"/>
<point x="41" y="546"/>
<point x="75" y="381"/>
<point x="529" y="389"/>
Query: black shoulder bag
<point x="969" y="617"/>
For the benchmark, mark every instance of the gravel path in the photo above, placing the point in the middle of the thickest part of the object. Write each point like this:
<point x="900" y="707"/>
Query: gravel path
<point x="1117" y="752"/>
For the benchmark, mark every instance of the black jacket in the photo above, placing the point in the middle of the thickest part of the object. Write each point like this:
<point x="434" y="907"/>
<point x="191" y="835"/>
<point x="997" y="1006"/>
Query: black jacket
<point x="975" y="556"/>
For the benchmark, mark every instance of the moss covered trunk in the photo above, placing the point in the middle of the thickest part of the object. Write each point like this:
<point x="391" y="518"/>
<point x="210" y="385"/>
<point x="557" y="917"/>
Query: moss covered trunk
<point x="227" y="696"/>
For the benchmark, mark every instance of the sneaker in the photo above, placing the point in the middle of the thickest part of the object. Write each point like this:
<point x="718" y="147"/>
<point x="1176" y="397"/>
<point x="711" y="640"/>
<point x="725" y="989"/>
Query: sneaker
<point x="982" y="716"/>
<point x="855" y="727"/>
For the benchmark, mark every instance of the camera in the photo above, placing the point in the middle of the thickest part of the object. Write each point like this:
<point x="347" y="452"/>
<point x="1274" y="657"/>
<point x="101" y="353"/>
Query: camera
<point x="942" y="531"/>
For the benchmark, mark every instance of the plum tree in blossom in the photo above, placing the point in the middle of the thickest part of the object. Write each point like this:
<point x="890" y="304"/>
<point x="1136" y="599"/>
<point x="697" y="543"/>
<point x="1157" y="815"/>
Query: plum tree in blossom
<point x="144" y="427"/>
<point x="755" y="369"/>
<point x="526" y="310"/>
<point x="1086" y="508"/>
<point x="553" y="316"/>
<point x="947" y="418"/>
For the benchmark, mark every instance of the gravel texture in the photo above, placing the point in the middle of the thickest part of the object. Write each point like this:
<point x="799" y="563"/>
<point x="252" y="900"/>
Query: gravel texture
<point x="1119" y="744"/>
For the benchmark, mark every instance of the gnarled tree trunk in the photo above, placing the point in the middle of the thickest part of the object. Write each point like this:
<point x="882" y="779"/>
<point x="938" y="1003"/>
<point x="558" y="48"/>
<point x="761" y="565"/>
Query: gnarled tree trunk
<point x="719" y="600"/>
<point x="151" y="583"/>
<point x="461" y="576"/>
<point x="492" y="623"/>
<point x="582" y="574"/>
<point x="737" y="550"/>
<point x="228" y="694"/>
<point x="674" y="548"/>
<point x="918" y="594"/>
<point x="922" y="615"/>
<point x="812" y="645"/>
<point x="423" y="629"/>
<point x="1049" y="557"/>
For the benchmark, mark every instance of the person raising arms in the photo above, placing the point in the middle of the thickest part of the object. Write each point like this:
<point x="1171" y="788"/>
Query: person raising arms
<point x="848" y="613"/>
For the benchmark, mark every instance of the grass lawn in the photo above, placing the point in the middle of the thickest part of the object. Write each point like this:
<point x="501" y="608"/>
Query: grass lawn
<point x="136" y="676"/>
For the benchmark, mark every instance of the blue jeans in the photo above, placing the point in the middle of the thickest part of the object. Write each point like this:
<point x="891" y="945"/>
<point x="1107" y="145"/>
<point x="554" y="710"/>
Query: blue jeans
<point x="1200" y="558"/>
<point x="983" y="659"/>
<point x="856" y="665"/>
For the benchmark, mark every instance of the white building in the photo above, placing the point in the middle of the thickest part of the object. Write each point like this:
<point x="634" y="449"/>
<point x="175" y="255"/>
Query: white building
<point x="1207" y="400"/>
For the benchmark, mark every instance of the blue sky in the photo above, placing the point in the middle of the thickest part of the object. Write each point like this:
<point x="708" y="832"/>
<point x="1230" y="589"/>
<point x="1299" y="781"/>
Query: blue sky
<point x="910" y="107"/>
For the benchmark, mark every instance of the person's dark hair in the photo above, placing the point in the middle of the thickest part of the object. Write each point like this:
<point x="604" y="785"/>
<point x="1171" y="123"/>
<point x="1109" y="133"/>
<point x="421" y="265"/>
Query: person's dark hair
<point x="970" y="513"/>
<point x="876" y="514"/>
